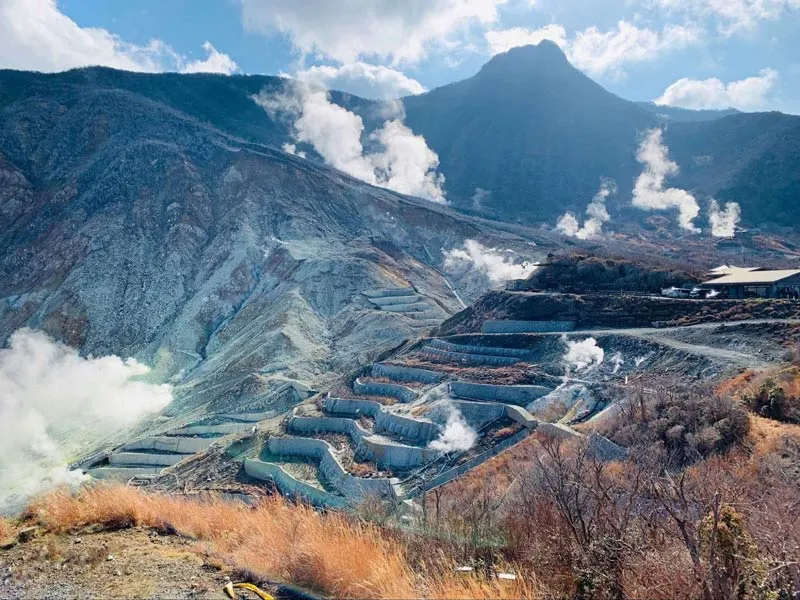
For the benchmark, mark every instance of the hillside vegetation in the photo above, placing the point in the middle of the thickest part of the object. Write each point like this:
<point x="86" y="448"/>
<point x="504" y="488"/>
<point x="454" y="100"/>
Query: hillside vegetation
<point x="331" y="554"/>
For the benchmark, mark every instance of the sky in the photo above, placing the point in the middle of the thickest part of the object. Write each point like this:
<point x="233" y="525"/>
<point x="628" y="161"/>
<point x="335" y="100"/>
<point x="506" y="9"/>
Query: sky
<point x="690" y="53"/>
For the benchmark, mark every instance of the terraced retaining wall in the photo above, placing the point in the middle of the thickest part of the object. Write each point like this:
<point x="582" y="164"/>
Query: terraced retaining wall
<point x="485" y="350"/>
<point x="329" y="467"/>
<point x="291" y="487"/>
<point x="223" y="429"/>
<point x="459" y="358"/>
<point x="512" y="394"/>
<point x="124" y="473"/>
<point x="420" y="431"/>
<point x="480" y="414"/>
<point x="383" y="453"/>
<point x="527" y="326"/>
<point x="177" y="445"/>
<point x="392" y="390"/>
<point x="144" y="459"/>
<point x="416" y="307"/>
<point x="400" y="373"/>
<point x="349" y="406"/>
<point x="389" y="300"/>
<point x="389" y="292"/>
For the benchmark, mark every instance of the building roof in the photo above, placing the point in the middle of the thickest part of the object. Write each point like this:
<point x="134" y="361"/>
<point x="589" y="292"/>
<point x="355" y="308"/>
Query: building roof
<point x="731" y="270"/>
<point x="753" y="277"/>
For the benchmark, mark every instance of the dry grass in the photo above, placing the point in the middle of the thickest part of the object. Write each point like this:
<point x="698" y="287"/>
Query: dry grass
<point x="332" y="553"/>
<point x="7" y="530"/>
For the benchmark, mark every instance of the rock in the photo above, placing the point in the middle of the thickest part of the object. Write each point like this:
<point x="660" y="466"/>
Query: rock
<point x="27" y="534"/>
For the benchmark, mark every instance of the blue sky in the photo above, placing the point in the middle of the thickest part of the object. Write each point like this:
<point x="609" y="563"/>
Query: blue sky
<point x="693" y="53"/>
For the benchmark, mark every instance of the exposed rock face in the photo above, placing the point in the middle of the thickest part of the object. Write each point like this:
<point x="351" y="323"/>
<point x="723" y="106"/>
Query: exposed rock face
<point x="129" y="227"/>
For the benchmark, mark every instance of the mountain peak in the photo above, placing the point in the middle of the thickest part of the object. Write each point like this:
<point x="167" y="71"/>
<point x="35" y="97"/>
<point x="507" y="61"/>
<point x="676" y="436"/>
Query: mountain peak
<point x="546" y="54"/>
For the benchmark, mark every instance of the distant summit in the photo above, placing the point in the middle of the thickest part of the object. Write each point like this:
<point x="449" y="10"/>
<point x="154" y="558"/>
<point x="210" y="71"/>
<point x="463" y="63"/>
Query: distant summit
<point x="535" y="135"/>
<point x="545" y="53"/>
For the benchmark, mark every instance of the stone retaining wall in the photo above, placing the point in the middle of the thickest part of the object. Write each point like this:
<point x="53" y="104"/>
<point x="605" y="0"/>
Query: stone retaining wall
<point x="389" y="300"/>
<point x="384" y="454"/>
<point x="176" y="445"/>
<point x="468" y="359"/>
<point x="223" y="429"/>
<point x="480" y="414"/>
<point x="349" y="406"/>
<point x="291" y="487"/>
<point x="124" y="473"/>
<point x="415" y="307"/>
<point x="400" y="373"/>
<point x="469" y="349"/>
<point x="136" y="459"/>
<point x="392" y="390"/>
<point x="388" y="292"/>
<point x="512" y="394"/>
<point x="331" y="470"/>
<point x="527" y="326"/>
<point x="420" y="431"/>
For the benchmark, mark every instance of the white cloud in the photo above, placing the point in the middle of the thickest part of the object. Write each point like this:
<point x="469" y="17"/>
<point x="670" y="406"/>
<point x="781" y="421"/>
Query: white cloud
<point x="215" y="62"/>
<point x="405" y="164"/>
<point x="502" y="40"/>
<point x="36" y="36"/>
<point x="362" y="79"/>
<point x="649" y="192"/>
<point x="387" y="29"/>
<point x="731" y="16"/>
<point x="498" y="266"/>
<point x="745" y="94"/>
<point x="55" y="403"/>
<point x="600" y="52"/>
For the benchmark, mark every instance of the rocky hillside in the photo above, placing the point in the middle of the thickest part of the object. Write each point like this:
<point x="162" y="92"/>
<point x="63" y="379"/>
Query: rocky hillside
<point x="131" y="227"/>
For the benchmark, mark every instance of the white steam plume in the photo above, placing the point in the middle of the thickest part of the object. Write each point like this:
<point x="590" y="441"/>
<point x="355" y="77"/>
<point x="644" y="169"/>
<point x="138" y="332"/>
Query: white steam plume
<point x="617" y="360"/>
<point x="649" y="192"/>
<point x="406" y="164"/>
<point x="55" y="404"/>
<point x="597" y="214"/>
<point x="724" y="221"/>
<point x="497" y="266"/>
<point x="584" y="354"/>
<point x="457" y="435"/>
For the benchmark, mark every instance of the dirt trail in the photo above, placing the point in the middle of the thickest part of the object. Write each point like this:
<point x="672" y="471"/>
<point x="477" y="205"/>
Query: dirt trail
<point x="662" y="335"/>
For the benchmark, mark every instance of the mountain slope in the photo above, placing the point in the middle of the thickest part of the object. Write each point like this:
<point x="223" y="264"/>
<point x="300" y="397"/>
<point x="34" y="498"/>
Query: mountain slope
<point x="130" y="227"/>
<point x="538" y="135"/>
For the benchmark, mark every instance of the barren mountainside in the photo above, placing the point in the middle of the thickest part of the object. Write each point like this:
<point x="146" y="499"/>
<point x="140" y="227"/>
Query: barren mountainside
<point x="130" y="227"/>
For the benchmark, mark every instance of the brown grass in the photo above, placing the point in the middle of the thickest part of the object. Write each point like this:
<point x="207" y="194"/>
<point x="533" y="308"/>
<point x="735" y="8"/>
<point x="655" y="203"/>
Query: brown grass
<point x="332" y="553"/>
<point x="7" y="530"/>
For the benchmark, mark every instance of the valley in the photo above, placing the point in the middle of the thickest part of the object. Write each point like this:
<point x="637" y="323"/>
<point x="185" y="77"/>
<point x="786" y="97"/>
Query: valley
<point x="223" y="324"/>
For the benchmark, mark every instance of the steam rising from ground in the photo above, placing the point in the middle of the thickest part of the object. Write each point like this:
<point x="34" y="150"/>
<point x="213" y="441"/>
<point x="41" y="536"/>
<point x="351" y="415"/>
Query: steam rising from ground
<point x="597" y="212"/>
<point x="54" y="403"/>
<point x="584" y="354"/>
<point x="457" y="435"/>
<point x="724" y="221"/>
<point x="497" y="265"/>
<point x="617" y="360"/>
<point x="405" y="164"/>
<point x="649" y="192"/>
